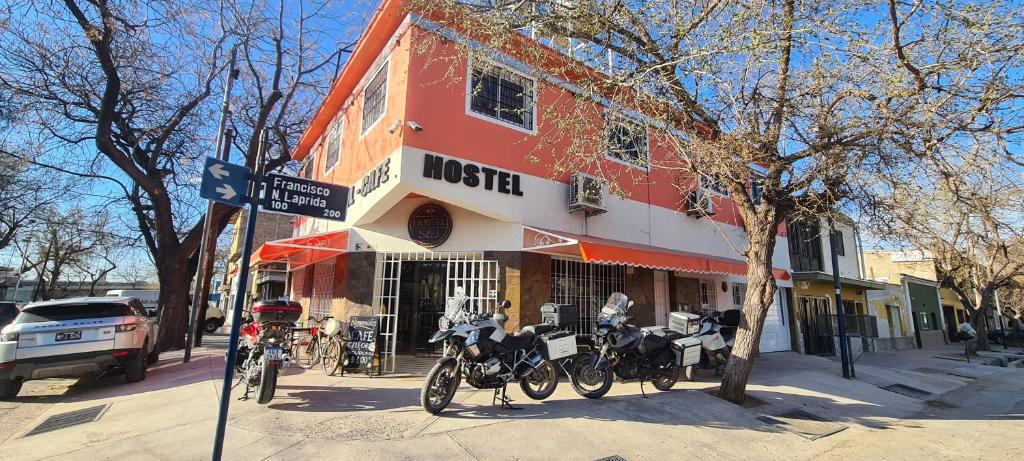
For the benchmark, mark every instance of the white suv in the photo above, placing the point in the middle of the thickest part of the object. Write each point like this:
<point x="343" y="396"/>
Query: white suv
<point x="77" y="336"/>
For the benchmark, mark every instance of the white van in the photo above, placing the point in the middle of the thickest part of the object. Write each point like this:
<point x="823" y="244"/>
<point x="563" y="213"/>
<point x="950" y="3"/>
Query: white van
<point x="150" y="300"/>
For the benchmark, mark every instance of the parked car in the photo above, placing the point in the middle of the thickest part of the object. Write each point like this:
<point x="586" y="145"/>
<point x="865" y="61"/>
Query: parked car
<point x="8" y="311"/>
<point x="74" y="337"/>
<point x="213" y="320"/>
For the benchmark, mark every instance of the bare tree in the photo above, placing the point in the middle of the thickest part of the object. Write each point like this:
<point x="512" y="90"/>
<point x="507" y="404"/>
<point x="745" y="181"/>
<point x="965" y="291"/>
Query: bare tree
<point x="126" y="86"/>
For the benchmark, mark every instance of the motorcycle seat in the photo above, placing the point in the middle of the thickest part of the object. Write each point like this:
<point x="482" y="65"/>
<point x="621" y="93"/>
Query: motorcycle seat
<point x="541" y="329"/>
<point x="521" y="340"/>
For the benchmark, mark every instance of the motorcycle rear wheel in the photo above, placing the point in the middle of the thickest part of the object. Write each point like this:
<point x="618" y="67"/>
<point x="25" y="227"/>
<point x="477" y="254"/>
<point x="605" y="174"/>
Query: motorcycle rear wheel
<point x="439" y="387"/>
<point x="544" y="377"/>
<point x="268" y="383"/>
<point x="689" y="373"/>
<point x="590" y="381"/>
<point x="666" y="377"/>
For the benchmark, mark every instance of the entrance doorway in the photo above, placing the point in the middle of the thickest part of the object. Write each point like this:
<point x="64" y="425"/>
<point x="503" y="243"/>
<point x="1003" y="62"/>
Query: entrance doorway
<point x="952" y="326"/>
<point x="816" y="326"/>
<point x="421" y="299"/>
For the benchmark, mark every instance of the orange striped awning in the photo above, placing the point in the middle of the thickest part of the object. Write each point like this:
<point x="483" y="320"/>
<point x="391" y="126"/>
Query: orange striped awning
<point x="604" y="251"/>
<point x="302" y="251"/>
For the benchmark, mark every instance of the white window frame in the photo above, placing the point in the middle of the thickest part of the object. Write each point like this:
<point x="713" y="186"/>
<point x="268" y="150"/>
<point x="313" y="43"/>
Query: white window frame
<point x="711" y="304"/>
<point x="338" y="124"/>
<point x="469" y="96"/>
<point x="741" y="290"/>
<point x="385" y="65"/>
<point x="611" y="118"/>
<point x="704" y="186"/>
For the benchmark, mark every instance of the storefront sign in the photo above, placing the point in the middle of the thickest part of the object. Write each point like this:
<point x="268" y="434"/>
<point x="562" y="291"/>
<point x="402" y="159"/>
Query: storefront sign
<point x="430" y="225"/>
<point x="373" y="180"/>
<point x="361" y="346"/>
<point x="454" y="171"/>
<point x="298" y="196"/>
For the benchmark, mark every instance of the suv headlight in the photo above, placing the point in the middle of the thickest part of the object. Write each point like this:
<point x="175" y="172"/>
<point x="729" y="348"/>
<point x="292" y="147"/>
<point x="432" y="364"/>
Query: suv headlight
<point x="8" y="336"/>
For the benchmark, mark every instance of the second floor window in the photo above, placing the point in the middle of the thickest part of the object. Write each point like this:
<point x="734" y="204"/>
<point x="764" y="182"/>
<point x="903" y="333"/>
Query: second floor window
<point x="805" y="246"/>
<point x="712" y="183"/>
<point x="840" y="243"/>
<point x="626" y="141"/>
<point x="756" y="189"/>
<point x="375" y="97"/>
<point x="306" y="169"/>
<point x="333" y="145"/>
<point x="503" y="95"/>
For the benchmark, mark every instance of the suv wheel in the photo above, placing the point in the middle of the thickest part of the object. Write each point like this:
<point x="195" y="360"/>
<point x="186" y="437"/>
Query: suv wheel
<point x="135" y="370"/>
<point x="9" y="388"/>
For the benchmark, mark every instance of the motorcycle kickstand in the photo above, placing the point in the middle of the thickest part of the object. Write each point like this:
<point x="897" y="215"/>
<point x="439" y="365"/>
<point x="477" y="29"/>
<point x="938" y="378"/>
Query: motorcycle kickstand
<point x="642" y="393"/>
<point x="506" y="402"/>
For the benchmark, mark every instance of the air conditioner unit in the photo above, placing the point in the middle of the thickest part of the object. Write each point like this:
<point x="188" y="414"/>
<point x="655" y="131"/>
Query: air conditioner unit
<point x="699" y="204"/>
<point x="587" y="193"/>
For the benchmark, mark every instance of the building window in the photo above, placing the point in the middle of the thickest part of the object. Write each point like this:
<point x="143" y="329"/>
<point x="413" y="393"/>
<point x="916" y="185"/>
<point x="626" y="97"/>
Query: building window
<point x="712" y="183"/>
<point x="333" y="145"/>
<point x="739" y="293"/>
<point x="756" y="189"/>
<point x="707" y="297"/>
<point x="895" y="320"/>
<point x="840" y="243"/>
<point x="306" y="169"/>
<point x="375" y="97"/>
<point x="626" y="141"/>
<point x="804" y="246"/>
<point x="501" y="94"/>
<point x="587" y="286"/>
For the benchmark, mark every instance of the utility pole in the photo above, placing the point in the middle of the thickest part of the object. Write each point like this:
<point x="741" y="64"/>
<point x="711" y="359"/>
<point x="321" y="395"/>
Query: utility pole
<point x="844" y="348"/>
<point x="1002" y="326"/>
<point x="223" y="149"/>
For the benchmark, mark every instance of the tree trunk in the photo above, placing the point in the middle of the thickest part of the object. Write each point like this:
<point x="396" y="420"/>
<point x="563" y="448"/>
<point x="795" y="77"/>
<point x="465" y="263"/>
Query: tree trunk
<point x="760" y="296"/>
<point x="204" y="287"/>
<point x="175" y="278"/>
<point x="978" y="317"/>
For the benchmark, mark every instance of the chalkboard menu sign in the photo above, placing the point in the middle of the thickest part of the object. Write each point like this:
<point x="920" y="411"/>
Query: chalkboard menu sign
<point x="361" y="346"/>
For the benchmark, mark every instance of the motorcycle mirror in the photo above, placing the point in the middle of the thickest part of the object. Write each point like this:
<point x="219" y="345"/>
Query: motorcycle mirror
<point x="629" y="305"/>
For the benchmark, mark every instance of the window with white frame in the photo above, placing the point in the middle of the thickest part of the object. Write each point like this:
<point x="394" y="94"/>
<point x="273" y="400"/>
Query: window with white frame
<point x="333" y="152"/>
<point x="626" y="141"/>
<point x="712" y="183"/>
<point x="502" y="94"/>
<point x="707" y="297"/>
<point x="375" y="97"/>
<point x="739" y="293"/>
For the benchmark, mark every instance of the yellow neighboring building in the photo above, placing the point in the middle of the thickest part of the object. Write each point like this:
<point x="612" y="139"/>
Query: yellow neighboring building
<point x="912" y="286"/>
<point x="266" y="281"/>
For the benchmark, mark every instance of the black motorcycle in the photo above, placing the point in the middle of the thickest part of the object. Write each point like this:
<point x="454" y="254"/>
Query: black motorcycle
<point x="264" y="347"/>
<point x="631" y="353"/>
<point x="477" y="347"/>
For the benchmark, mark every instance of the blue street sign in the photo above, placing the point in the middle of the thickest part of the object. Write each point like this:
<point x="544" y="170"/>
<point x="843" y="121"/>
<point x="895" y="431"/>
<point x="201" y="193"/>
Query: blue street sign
<point x="224" y="182"/>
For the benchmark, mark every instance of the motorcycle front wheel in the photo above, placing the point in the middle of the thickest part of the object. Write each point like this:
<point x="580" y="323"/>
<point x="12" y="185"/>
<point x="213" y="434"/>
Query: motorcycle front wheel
<point x="439" y="388"/>
<point x="268" y="383"/>
<point x="541" y="382"/>
<point x="589" y="380"/>
<point x="666" y="377"/>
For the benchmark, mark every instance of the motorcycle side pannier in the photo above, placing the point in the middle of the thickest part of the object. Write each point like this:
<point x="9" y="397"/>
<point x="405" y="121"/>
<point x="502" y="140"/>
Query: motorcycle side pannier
<point x="558" y="345"/>
<point x="276" y="310"/>
<point x="687" y="351"/>
<point x="561" y="315"/>
<point x="684" y="322"/>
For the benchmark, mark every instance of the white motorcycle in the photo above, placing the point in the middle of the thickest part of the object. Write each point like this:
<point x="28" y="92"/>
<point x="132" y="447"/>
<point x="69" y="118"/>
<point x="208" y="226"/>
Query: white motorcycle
<point x="717" y="334"/>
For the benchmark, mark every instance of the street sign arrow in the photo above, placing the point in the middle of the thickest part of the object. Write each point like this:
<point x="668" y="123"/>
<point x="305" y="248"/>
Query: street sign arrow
<point x="226" y="191"/>
<point x="224" y="182"/>
<point x="218" y="171"/>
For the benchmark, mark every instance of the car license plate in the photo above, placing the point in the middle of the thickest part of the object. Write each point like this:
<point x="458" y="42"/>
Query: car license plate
<point x="273" y="353"/>
<point x="69" y="335"/>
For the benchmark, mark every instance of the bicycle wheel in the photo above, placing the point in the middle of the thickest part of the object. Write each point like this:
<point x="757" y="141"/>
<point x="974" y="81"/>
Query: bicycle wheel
<point x="307" y="351"/>
<point x="330" y="357"/>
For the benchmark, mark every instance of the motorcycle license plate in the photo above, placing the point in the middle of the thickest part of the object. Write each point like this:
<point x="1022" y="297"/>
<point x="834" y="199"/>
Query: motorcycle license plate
<point x="273" y="353"/>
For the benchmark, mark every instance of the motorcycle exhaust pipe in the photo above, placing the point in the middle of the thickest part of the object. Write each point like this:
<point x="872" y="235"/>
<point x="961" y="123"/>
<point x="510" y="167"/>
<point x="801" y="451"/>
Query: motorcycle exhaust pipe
<point x="286" y="361"/>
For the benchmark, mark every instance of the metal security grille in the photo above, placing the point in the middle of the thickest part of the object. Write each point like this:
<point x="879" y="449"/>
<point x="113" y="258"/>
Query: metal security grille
<point x="585" y="285"/>
<point x="323" y="290"/>
<point x="374" y="97"/>
<point x="478" y="277"/>
<point x="502" y="94"/>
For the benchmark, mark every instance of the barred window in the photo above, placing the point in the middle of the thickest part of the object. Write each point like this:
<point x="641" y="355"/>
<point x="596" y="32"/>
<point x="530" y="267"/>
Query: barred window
<point x="333" y="145"/>
<point x="626" y="141"/>
<point x="374" y="97"/>
<point x="503" y="95"/>
<point x="585" y="285"/>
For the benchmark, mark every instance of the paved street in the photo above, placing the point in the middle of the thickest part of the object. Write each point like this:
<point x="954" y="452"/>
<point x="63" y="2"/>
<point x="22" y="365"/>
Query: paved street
<point x="172" y="415"/>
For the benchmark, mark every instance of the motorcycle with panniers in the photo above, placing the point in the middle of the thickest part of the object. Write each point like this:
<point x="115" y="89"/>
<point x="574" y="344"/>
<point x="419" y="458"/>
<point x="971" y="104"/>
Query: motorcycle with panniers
<point x="264" y="347"/>
<point x="477" y="347"/>
<point x="655" y="354"/>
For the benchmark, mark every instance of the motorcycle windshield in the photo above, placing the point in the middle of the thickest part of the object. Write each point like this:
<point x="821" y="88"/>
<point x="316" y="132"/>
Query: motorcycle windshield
<point x="614" y="310"/>
<point x="454" y="308"/>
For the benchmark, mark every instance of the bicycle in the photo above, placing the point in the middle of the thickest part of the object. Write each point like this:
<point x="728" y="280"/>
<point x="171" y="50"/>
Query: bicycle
<point x="332" y="349"/>
<point x="308" y="349"/>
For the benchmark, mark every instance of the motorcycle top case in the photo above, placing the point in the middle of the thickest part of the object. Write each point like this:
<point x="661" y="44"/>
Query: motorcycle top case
<point x="684" y="322"/>
<point x="560" y="315"/>
<point x="276" y="310"/>
<point x="687" y="351"/>
<point x="558" y="345"/>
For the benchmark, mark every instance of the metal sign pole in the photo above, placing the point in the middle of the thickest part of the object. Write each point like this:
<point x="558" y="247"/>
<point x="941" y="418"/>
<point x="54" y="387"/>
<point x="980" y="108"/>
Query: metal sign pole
<point x="223" y="148"/>
<point x="1002" y="326"/>
<point x="844" y="347"/>
<point x="240" y="297"/>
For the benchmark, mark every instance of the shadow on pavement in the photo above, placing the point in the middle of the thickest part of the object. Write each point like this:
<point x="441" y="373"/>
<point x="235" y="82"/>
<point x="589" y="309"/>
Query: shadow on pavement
<point x="342" y="399"/>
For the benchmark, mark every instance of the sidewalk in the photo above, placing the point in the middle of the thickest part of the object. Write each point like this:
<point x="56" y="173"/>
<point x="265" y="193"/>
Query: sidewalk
<point x="172" y="415"/>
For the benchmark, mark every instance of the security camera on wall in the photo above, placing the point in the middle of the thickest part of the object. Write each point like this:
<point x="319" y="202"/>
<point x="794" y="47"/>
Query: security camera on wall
<point x="415" y="126"/>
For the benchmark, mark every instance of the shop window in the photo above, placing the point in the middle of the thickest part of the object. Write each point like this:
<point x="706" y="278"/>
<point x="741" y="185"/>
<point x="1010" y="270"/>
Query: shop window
<point x="333" y="145"/>
<point x="585" y="285"/>
<point x="323" y="290"/>
<point x="739" y="292"/>
<point x="375" y="97"/>
<point x="503" y="95"/>
<point x="626" y="141"/>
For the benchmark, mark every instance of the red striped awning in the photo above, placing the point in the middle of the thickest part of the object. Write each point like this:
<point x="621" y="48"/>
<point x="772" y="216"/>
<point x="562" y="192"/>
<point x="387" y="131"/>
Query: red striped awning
<point x="302" y="251"/>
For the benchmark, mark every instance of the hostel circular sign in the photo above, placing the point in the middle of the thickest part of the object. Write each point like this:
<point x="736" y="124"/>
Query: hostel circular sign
<point x="430" y="225"/>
